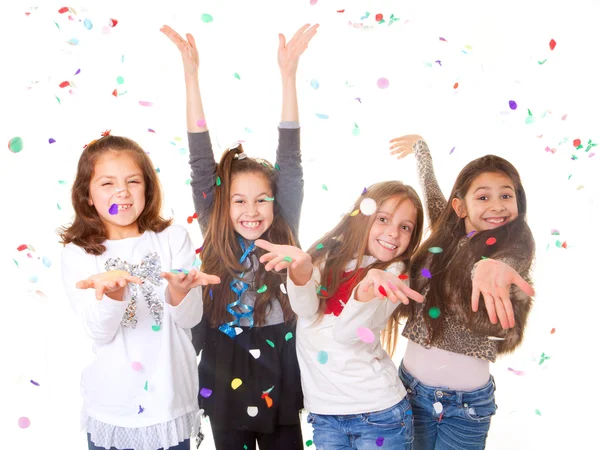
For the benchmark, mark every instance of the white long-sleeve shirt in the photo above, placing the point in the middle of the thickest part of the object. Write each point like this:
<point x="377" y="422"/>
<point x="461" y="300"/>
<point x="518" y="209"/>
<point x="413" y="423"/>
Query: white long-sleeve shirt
<point x="114" y="392"/>
<point x="342" y="374"/>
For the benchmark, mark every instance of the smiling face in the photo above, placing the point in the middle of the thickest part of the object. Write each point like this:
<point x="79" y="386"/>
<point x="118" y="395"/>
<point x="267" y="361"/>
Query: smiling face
<point x="117" y="191"/>
<point x="390" y="234"/>
<point x="250" y="212"/>
<point x="489" y="203"/>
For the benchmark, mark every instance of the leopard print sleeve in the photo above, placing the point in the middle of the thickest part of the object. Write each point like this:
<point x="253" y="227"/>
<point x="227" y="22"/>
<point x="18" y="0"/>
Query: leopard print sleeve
<point x="435" y="202"/>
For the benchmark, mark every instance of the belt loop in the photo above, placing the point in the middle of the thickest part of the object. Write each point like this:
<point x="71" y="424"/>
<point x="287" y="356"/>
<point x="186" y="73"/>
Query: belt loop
<point x="459" y="397"/>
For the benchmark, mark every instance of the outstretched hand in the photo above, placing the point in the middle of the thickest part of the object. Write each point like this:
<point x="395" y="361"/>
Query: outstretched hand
<point x="381" y="284"/>
<point x="181" y="283"/>
<point x="111" y="283"/>
<point x="279" y="257"/>
<point x="493" y="280"/>
<point x="403" y="146"/>
<point x="289" y="54"/>
<point x="187" y="48"/>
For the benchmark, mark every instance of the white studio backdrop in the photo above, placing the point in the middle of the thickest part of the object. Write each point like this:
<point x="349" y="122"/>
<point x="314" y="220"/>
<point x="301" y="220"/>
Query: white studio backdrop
<point x="452" y="69"/>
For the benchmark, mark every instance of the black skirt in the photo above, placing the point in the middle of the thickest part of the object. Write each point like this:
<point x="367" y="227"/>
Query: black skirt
<point x="270" y="393"/>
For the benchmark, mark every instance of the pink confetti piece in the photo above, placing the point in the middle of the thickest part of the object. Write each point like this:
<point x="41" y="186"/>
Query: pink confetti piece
<point x="201" y="123"/>
<point x="365" y="335"/>
<point x="516" y="372"/>
<point x="452" y="151"/>
<point x="383" y="83"/>
<point x="136" y="365"/>
<point x="144" y="103"/>
<point x="24" y="422"/>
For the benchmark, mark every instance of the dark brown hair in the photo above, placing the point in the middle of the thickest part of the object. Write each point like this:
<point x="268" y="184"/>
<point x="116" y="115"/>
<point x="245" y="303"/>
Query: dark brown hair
<point x="87" y="230"/>
<point x="451" y="269"/>
<point x="221" y="250"/>
<point x="348" y="240"/>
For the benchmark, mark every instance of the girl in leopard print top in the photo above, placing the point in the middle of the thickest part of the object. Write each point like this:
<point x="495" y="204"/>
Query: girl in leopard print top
<point x="480" y="245"/>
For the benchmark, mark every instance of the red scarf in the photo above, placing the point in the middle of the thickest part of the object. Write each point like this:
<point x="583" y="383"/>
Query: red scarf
<point x="336" y="303"/>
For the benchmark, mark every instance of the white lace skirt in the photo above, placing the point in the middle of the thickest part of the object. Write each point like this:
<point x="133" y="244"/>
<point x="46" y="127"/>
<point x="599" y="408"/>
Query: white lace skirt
<point x="162" y="435"/>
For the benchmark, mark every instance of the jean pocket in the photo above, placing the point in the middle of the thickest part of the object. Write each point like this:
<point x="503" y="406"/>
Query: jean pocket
<point x="393" y="417"/>
<point x="480" y="412"/>
<point x="310" y="418"/>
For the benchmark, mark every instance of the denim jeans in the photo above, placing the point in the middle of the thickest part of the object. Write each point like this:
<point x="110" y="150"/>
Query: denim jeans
<point x="447" y="419"/>
<point x="390" y="428"/>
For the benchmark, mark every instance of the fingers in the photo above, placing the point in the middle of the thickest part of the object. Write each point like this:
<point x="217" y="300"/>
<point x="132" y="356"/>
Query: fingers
<point x="500" y="311"/>
<point x="84" y="284"/>
<point x="522" y="284"/>
<point x="298" y="33"/>
<point x="410" y="293"/>
<point x="281" y="41"/>
<point x="504" y="299"/>
<point x="475" y="293"/>
<point x="490" y="306"/>
<point x="132" y="279"/>
<point x="266" y="245"/>
<point x="191" y="40"/>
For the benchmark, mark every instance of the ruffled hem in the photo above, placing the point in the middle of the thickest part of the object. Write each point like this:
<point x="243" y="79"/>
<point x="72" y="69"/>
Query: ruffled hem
<point x="153" y="437"/>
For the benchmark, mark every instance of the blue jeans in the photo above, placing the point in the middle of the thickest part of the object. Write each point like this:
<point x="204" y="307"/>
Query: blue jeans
<point x="447" y="419"/>
<point x="391" y="428"/>
<point x="185" y="445"/>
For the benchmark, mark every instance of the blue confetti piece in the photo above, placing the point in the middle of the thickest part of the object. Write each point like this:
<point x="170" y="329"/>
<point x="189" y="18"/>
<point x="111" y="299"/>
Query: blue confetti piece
<point x="314" y="84"/>
<point x="322" y="116"/>
<point x="46" y="261"/>
<point x="88" y="24"/>
<point x="73" y="41"/>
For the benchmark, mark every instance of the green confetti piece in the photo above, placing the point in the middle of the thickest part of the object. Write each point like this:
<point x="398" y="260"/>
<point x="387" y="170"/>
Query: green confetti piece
<point x="207" y="18"/>
<point x="529" y="112"/>
<point x="288" y="259"/>
<point x="268" y="391"/>
<point x="122" y="58"/>
<point x="262" y="289"/>
<point x="319" y="246"/>
<point x="15" y="145"/>
<point x="529" y="120"/>
<point x="324" y="187"/>
<point x="537" y="411"/>
<point x="355" y="130"/>
<point x="158" y="170"/>
<point x="188" y="181"/>
<point x="58" y="206"/>
<point x="309" y="443"/>
<point x="542" y="62"/>
<point x="558" y="244"/>
<point x="543" y="358"/>
<point x="57" y="99"/>
<point x="436" y="250"/>
<point x="218" y="181"/>
<point x="146" y="386"/>
<point x="484" y="257"/>
<point x="277" y="167"/>
<point x="434" y="312"/>
<point x="270" y="199"/>
<point x="15" y="261"/>
<point x="245" y="447"/>
<point x="155" y="327"/>
<point x="271" y="343"/>
<point x="57" y="25"/>
<point x="120" y="80"/>
<point x="237" y="75"/>
<point x="570" y="177"/>
<point x="62" y="182"/>
<point x="288" y="336"/>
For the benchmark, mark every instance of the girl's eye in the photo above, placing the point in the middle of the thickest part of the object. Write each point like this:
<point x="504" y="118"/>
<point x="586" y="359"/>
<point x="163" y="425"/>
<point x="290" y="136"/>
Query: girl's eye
<point x="383" y="220"/>
<point x="506" y="196"/>
<point x="406" y="227"/>
<point x="239" y="201"/>
<point x="106" y="184"/>
<point x="135" y="181"/>
<point x="483" y="197"/>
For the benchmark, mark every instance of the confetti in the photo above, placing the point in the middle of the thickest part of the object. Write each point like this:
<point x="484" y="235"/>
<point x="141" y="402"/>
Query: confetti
<point x="63" y="10"/>
<point x="35" y="383"/>
<point x="314" y="84"/>
<point x="115" y="93"/>
<point x="324" y="187"/>
<point x="114" y="209"/>
<point x="288" y="259"/>
<point x="322" y="357"/>
<point x="425" y="273"/>
<point x="268" y="400"/>
<point x="289" y="336"/>
<point x="378" y="17"/>
<point x="537" y="411"/>
<point x="236" y="383"/>
<point x="22" y="247"/>
<point x="542" y="62"/>
<point x="252" y="411"/>
<point x="576" y="142"/>
<point x="319" y="246"/>
<point x="15" y="145"/>
<point x="512" y="105"/>
<point x="88" y="24"/>
<point x="322" y="116"/>
<point x="237" y="75"/>
<point x="136" y="365"/>
<point x="434" y="312"/>
<point x="383" y="83"/>
<point x="452" y="151"/>
<point x="455" y="85"/>
<point x="553" y="330"/>
<point x="205" y="392"/>
<point x="112" y="23"/>
<point x="490" y="241"/>
<point x="206" y="18"/>
<point x="354" y="213"/>
<point x="46" y="261"/>
<point x="543" y="358"/>
<point x="145" y="103"/>
<point x="379" y="441"/>
<point x="516" y="372"/>
<point x="382" y="291"/>
<point x="403" y="276"/>
<point x="269" y="199"/>
<point x="282" y="287"/>
<point x="368" y="206"/>
<point x="201" y="123"/>
<point x="262" y="289"/>
<point x="24" y="422"/>
<point x="146" y="386"/>
<point x="435" y="250"/>
<point x="496" y="338"/>
<point x="73" y="41"/>
<point x="255" y="352"/>
<point x="471" y="233"/>
<point x="218" y="181"/>
<point x="51" y="141"/>
<point x="271" y="343"/>
<point x="552" y="44"/>
<point x="155" y="327"/>
<point x="141" y="410"/>
<point x="365" y="335"/>
<point x="64" y="84"/>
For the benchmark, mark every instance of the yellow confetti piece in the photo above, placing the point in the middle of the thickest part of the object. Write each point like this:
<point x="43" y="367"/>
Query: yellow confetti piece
<point x="236" y="383"/>
<point x="355" y="212"/>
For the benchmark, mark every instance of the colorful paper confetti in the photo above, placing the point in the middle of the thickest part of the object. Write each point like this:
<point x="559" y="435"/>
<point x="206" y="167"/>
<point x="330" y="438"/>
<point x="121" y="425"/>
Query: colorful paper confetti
<point x="206" y="18"/>
<point x="368" y="206"/>
<point x="434" y="312"/>
<point x="15" y="145"/>
<point x="236" y="383"/>
<point x="205" y="392"/>
<point x="322" y="357"/>
<point x="425" y="273"/>
<point x="383" y="83"/>
<point x="365" y="335"/>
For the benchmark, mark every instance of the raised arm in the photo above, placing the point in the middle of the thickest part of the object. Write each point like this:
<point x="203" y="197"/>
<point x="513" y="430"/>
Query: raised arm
<point x="435" y="202"/>
<point x="202" y="160"/>
<point x="290" y="182"/>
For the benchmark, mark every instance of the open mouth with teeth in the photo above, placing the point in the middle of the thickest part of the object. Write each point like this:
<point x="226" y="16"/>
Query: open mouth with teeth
<point x="496" y="220"/>
<point x="251" y="225"/>
<point x="387" y="245"/>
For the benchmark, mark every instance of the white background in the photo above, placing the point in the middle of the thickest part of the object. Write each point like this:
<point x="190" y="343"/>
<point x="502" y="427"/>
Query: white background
<point x="492" y="50"/>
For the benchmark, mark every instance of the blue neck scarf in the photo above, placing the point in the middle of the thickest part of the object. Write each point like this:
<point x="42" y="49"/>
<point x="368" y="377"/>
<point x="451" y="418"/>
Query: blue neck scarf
<point x="239" y="287"/>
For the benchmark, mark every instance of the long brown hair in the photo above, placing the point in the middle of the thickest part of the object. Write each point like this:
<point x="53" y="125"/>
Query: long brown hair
<point x="451" y="270"/>
<point x="221" y="250"/>
<point x="87" y="230"/>
<point x="348" y="240"/>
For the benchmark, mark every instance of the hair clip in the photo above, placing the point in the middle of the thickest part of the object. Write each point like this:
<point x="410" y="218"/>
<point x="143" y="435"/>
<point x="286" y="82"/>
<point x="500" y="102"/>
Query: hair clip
<point x="233" y="145"/>
<point x="240" y="156"/>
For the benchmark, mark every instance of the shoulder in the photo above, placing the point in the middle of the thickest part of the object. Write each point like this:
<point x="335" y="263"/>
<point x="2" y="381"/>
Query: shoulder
<point x="71" y="252"/>
<point x="175" y="235"/>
